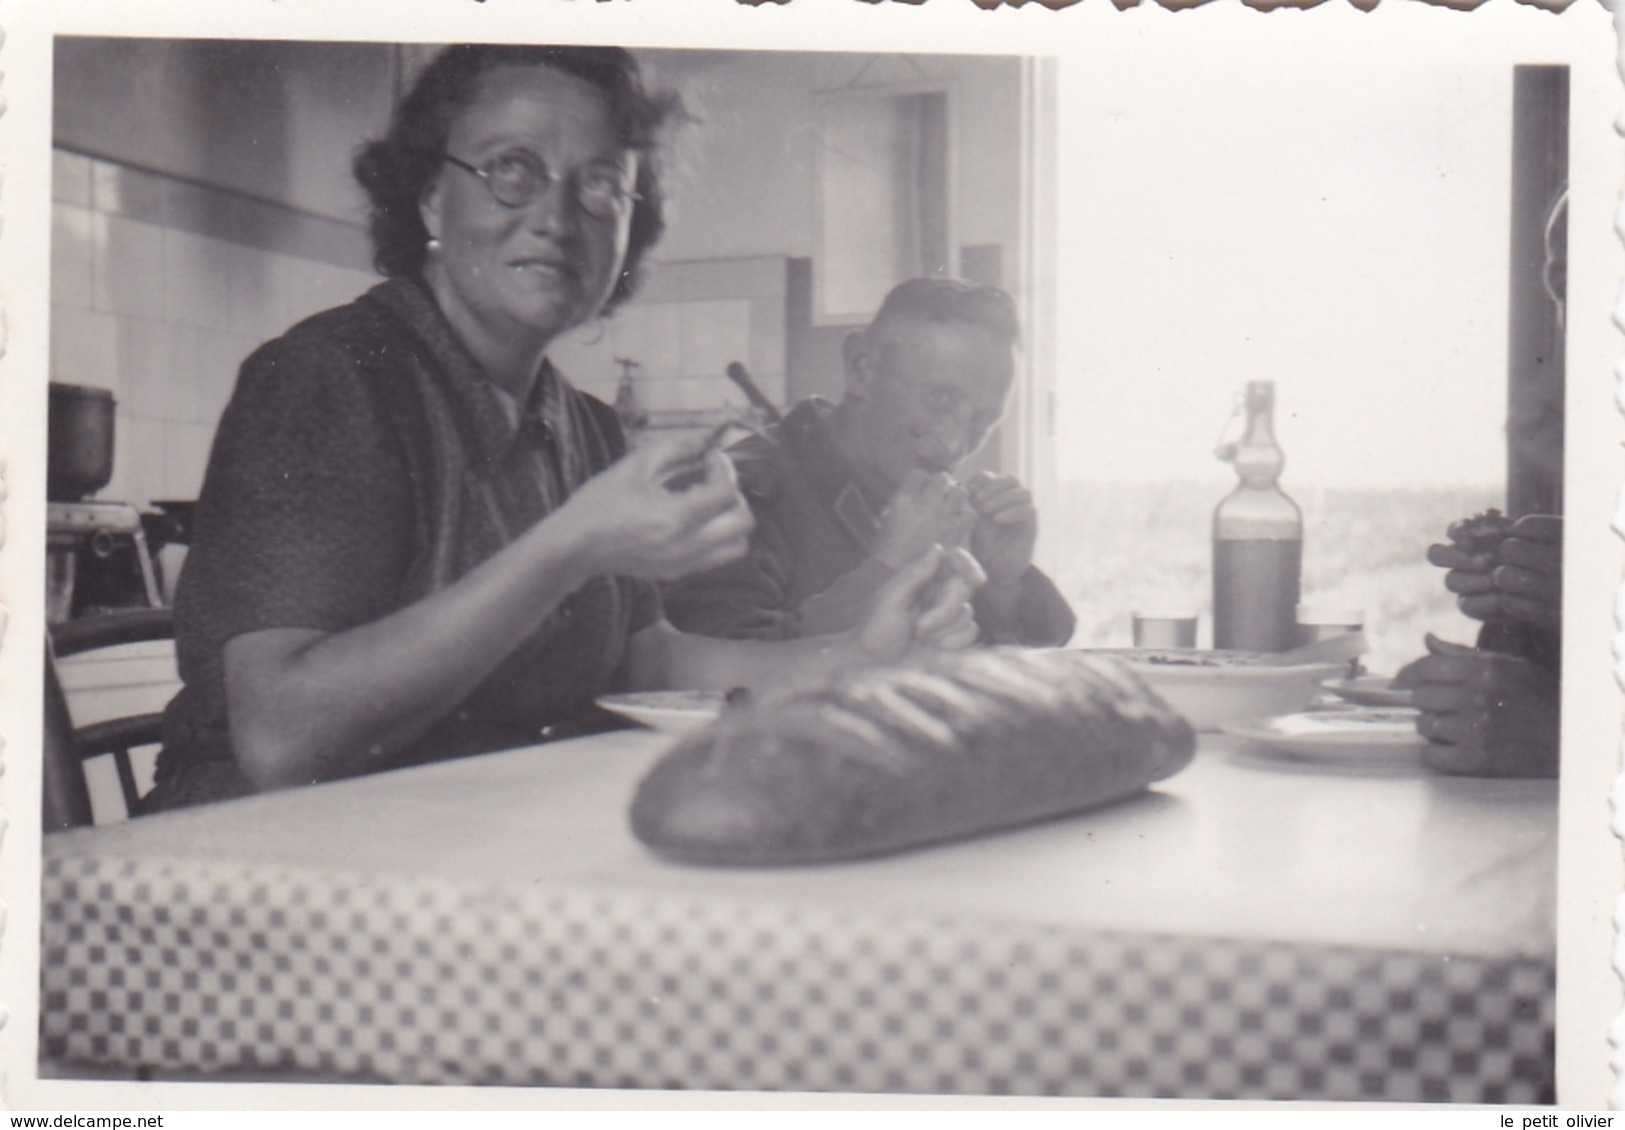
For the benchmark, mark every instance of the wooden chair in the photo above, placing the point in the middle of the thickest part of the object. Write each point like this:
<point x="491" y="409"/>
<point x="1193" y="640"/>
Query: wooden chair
<point x="67" y="748"/>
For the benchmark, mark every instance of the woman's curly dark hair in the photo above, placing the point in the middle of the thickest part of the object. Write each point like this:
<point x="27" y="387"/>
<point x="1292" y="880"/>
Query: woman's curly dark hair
<point x="397" y="170"/>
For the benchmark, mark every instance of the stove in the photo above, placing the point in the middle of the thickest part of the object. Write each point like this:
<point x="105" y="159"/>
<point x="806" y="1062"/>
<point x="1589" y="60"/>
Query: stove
<point x="105" y="538"/>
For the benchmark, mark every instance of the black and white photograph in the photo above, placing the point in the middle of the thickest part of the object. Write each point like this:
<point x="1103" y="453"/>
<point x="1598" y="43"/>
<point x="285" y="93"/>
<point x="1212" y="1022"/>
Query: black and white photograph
<point x="941" y="556"/>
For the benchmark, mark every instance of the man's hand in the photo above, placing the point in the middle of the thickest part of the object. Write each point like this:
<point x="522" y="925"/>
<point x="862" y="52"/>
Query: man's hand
<point x="925" y="605"/>
<point x="1485" y="714"/>
<point x="1521" y="582"/>
<point x="1006" y="528"/>
<point x="927" y="510"/>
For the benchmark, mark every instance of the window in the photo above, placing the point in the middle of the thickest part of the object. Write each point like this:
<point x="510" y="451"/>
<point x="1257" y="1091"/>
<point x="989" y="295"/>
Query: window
<point x="883" y="196"/>
<point x="1340" y="232"/>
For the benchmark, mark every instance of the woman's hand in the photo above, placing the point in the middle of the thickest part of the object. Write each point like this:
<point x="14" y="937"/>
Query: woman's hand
<point x="1485" y="714"/>
<point x="925" y="604"/>
<point x="1520" y="582"/>
<point x="667" y="509"/>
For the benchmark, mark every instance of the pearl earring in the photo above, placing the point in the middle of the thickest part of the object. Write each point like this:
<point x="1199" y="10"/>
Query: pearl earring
<point x="433" y="244"/>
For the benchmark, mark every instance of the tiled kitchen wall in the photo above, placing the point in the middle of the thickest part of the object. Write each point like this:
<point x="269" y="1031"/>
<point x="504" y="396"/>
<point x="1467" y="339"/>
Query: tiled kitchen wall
<point x="690" y="319"/>
<point x="160" y="287"/>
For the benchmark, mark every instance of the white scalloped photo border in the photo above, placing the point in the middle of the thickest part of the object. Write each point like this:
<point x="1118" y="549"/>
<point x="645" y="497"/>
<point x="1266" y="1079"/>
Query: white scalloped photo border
<point x="885" y="26"/>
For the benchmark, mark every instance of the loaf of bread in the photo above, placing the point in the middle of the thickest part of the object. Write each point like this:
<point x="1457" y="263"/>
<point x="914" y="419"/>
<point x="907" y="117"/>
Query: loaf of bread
<point x="879" y="759"/>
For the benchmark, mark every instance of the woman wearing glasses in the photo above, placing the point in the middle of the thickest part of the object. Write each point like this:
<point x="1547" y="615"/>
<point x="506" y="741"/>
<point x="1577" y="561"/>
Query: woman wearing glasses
<point x="415" y="539"/>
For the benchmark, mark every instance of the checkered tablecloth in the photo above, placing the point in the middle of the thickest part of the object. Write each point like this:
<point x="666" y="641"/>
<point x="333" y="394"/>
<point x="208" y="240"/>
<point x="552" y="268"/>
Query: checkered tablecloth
<point x="191" y="966"/>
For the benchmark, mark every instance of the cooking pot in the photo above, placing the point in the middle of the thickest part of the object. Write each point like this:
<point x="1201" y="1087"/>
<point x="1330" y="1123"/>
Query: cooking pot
<point x="79" y="460"/>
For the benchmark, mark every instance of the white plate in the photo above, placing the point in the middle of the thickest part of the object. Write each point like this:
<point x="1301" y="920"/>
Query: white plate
<point x="1190" y="659"/>
<point x="1369" y="690"/>
<point x="1211" y="688"/>
<point x="670" y="712"/>
<point x="1337" y="735"/>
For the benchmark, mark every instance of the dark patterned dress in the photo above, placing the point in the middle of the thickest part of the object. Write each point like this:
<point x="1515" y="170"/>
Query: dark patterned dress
<point x="364" y="462"/>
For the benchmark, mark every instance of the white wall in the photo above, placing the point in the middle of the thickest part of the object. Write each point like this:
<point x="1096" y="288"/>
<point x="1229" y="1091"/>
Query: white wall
<point x="202" y="203"/>
<point x="273" y="121"/>
<point x="749" y="185"/>
<point x="163" y="316"/>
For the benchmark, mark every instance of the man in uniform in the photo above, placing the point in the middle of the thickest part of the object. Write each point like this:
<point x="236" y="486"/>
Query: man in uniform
<point x="845" y="493"/>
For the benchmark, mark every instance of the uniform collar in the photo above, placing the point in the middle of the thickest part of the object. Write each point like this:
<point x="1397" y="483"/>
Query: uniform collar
<point x="829" y="474"/>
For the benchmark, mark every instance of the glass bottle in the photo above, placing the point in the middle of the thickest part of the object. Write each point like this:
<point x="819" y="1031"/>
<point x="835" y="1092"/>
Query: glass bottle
<point x="1257" y="540"/>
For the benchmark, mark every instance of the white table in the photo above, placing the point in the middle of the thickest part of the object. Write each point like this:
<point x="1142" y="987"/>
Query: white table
<point x="1252" y="928"/>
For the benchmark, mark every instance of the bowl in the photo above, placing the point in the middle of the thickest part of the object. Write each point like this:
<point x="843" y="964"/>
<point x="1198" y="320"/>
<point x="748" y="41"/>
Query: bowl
<point x="670" y="712"/>
<point x="1211" y="688"/>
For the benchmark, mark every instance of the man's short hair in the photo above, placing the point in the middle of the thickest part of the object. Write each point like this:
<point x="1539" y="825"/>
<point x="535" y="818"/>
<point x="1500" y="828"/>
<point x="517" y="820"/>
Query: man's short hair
<point x="950" y="300"/>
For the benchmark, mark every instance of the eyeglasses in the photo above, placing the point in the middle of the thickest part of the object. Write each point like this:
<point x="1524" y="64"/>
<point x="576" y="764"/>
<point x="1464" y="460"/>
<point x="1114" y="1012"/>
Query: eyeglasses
<point x="517" y="178"/>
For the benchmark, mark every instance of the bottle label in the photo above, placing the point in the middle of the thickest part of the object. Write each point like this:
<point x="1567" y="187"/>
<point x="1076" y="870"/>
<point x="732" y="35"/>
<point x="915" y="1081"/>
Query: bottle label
<point x="1255" y="593"/>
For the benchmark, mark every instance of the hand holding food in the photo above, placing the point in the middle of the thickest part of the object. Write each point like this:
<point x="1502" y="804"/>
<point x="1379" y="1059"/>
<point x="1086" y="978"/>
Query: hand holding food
<point x="1006" y="529"/>
<point x="1529" y="579"/>
<point x="1470" y="553"/>
<point x="1503" y="571"/>
<point x="927" y="510"/>
<point x="925" y="605"/>
<point x="947" y="622"/>
<point x="692" y="471"/>
<point x="1485" y="714"/>
<point x="633" y="523"/>
<point x="1482" y="534"/>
